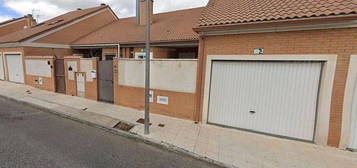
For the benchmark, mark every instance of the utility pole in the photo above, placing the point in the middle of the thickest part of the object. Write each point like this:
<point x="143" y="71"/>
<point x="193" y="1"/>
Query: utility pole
<point x="147" y="68"/>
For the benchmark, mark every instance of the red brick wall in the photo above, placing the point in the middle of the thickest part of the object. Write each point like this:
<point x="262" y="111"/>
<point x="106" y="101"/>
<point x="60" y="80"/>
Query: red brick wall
<point x="342" y="42"/>
<point x="91" y="88"/>
<point x="48" y="83"/>
<point x="71" y="88"/>
<point x="182" y="105"/>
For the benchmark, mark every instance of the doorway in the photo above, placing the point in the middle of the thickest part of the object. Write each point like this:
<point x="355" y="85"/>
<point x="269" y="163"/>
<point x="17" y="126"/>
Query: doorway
<point x="105" y="81"/>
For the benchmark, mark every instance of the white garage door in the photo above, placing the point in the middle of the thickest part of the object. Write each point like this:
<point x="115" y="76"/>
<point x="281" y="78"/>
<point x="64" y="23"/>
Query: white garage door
<point x="278" y="98"/>
<point x="353" y="136"/>
<point x="15" y="68"/>
<point x="2" y="73"/>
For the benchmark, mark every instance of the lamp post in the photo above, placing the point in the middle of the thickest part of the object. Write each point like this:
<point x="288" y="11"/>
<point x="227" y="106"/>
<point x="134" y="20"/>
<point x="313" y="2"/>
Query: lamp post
<point x="147" y="68"/>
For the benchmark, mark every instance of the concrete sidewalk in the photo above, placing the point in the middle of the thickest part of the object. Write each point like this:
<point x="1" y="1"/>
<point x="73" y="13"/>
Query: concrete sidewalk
<point x="229" y="146"/>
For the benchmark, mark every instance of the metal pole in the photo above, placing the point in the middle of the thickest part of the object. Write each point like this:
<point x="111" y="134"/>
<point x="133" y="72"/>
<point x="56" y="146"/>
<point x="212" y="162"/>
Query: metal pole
<point x="147" y="68"/>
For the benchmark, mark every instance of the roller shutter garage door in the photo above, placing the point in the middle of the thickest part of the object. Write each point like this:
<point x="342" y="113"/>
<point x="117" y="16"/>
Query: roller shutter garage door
<point x="15" y="68"/>
<point x="2" y="73"/>
<point x="277" y="98"/>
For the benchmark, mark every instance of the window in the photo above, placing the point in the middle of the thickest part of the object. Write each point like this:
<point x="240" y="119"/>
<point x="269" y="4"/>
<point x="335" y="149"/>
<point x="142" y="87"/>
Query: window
<point x="141" y="55"/>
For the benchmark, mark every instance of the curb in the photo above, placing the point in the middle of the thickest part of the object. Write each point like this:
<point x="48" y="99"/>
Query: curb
<point x="136" y="137"/>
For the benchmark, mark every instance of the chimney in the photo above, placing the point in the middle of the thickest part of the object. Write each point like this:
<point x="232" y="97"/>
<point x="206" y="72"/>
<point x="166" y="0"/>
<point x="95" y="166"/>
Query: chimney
<point x="30" y="21"/>
<point x="142" y="13"/>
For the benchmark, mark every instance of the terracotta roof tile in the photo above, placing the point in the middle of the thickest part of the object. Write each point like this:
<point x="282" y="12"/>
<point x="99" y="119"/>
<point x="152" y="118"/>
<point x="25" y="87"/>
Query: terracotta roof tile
<point x="170" y="26"/>
<point x="46" y="25"/>
<point x="220" y="12"/>
<point x="11" y="20"/>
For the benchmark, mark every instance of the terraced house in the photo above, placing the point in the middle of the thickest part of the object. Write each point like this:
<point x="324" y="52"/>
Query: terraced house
<point x="29" y="54"/>
<point x="174" y="67"/>
<point x="285" y="69"/>
<point x="280" y="68"/>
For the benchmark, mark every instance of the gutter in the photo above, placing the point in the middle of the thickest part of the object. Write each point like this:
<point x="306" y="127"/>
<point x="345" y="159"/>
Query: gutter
<point x="138" y="44"/>
<point x="278" y="23"/>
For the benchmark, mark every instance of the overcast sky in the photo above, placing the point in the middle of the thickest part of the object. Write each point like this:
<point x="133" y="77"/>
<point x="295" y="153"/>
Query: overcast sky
<point x="45" y="9"/>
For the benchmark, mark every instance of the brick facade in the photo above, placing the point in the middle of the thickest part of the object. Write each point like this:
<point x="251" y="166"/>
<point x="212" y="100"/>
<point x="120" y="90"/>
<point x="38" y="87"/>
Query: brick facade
<point x="333" y="41"/>
<point x="182" y="105"/>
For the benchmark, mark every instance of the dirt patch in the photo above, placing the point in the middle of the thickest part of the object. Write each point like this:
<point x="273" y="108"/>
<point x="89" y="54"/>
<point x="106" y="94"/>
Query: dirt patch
<point x="142" y="121"/>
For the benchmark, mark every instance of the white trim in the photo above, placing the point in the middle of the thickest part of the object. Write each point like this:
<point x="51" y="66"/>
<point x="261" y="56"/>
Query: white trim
<point x="45" y="45"/>
<point x="6" y="45"/>
<point x="64" y="26"/>
<point x="326" y="88"/>
<point x="12" y="22"/>
<point x="348" y="102"/>
<point x="283" y="28"/>
<point x="30" y="44"/>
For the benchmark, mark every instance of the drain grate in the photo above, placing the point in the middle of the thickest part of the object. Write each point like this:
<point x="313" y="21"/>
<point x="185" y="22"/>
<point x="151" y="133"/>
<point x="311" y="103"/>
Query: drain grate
<point x="123" y="126"/>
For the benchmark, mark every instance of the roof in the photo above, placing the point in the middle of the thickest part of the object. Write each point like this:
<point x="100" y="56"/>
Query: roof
<point x="48" y="25"/>
<point x="12" y="20"/>
<point x="223" y="12"/>
<point x="170" y="26"/>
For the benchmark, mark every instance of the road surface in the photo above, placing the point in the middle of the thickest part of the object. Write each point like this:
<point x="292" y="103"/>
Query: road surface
<point x="30" y="138"/>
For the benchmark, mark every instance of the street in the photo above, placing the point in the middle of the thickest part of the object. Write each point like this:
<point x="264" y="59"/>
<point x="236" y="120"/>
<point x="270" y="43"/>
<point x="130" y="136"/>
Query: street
<point x="32" y="138"/>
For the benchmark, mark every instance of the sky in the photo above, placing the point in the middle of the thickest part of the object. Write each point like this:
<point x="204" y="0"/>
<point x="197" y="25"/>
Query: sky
<point x="45" y="9"/>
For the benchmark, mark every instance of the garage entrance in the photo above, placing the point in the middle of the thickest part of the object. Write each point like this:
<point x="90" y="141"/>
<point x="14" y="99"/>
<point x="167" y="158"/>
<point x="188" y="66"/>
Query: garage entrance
<point x="270" y="97"/>
<point x="353" y="133"/>
<point x="105" y="80"/>
<point x="15" y="68"/>
<point x="2" y="70"/>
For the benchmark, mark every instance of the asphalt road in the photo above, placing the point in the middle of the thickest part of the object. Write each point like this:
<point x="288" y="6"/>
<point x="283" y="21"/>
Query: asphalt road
<point x="32" y="138"/>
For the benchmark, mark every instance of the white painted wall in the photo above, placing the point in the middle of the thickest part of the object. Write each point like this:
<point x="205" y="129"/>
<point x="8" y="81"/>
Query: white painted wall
<point x="171" y="75"/>
<point x="86" y="66"/>
<point x="38" y="68"/>
<point x="72" y="64"/>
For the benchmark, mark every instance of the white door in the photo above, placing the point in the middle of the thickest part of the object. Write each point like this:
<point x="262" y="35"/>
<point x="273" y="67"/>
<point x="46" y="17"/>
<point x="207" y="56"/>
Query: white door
<point x="278" y="98"/>
<point x="80" y="84"/>
<point x="353" y="136"/>
<point x="2" y="73"/>
<point x="15" y="68"/>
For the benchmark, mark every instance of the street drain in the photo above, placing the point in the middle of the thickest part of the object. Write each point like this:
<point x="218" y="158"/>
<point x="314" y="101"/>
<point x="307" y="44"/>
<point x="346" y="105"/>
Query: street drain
<point x="123" y="126"/>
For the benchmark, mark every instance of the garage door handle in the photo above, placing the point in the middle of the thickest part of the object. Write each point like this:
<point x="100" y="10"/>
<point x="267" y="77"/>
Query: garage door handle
<point x="252" y="112"/>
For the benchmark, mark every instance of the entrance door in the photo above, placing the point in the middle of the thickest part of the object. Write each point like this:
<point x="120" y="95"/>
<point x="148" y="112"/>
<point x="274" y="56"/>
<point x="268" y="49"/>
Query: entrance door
<point x="80" y="84"/>
<point x="353" y="136"/>
<point x="276" y="98"/>
<point x="105" y="77"/>
<point x="2" y="72"/>
<point x="15" y="68"/>
<point x="60" y="78"/>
